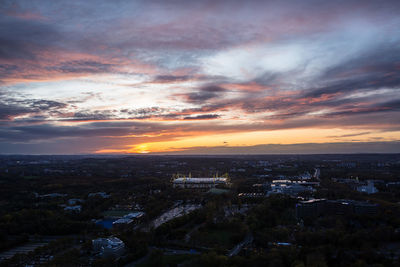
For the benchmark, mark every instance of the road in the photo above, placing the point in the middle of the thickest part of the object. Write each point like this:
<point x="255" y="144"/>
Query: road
<point x="173" y="213"/>
<point x="247" y="240"/>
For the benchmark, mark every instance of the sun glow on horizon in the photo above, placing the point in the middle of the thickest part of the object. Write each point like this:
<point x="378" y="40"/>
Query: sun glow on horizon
<point x="279" y="137"/>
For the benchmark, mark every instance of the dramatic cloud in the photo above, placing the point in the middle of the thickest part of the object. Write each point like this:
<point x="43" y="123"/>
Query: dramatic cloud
<point x="203" y="94"/>
<point x="202" y="117"/>
<point x="184" y="76"/>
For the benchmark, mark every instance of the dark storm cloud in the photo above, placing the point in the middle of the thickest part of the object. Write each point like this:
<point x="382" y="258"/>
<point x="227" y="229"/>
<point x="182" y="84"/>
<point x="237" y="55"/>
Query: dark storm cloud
<point x="91" y="115"/>
<point x="202" y="94"/>
<point x="81" y="66"/>
<point x="349" y="135"/>
<point x="48" y="131"/>
<point x="370" y="82"/>
<point x="140" y="113"/>
<point x="143" y="111"/>
<point x="43" y="131"/>
<point x="386" y="107"/>
<point x="8" y="111"/>
<point x="11" y="107"/>
<point x="137" y="114"/>
<point x="370" y="71"/>
<point x="381" y="60"/>
<point x="7" y="70"/>
<point x="36" y="49"/>
<point x="392" y="105"/>
<point x="46" y="104"/>
<point x="202" y="117"/>
<point x="22" y="39"/>
<point x="337" y="94"/>
<point x="171" y="78"/>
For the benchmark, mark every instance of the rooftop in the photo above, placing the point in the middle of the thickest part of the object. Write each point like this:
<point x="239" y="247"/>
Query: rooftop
<point x="201" y="180"/>
<point x="133" y="215"/>
<point x="312" y="200"/>
<point x="123" y="221"/>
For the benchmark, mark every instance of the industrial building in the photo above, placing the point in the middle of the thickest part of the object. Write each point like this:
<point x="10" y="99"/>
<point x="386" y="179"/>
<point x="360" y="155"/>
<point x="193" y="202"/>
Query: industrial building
<point x="368" y="188"/>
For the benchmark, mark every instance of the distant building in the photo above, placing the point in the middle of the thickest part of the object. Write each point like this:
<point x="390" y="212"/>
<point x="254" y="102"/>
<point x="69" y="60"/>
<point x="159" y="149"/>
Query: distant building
<point x="305" y="176"/>
<point x="393" y="185"/>
<point x="352" y="183"/>
<point x="317" y="207"/>
<point x="346" y="180"/>
<point x="99" y="194"/>
<point x="74" y="201"/>
<point x="365" y="208"/>
<point x="109" y="247"/>
<point x="291" y="187"/>
<point x="369" y="188"/>
<point x="76" y="208"/>
<point x="263" y="163"/>
<point x="53" y="195"/>
<point x="310" y="208"/>
<point x="348" y="165"/>
<point x="251" y="195"/>
<point x="188" y="182"/>
<point x="131" y="218"/>
<point x="317" y="173"/>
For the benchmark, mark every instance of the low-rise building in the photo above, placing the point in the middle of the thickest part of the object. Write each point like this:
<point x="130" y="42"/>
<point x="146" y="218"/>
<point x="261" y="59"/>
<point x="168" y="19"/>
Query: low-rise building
<point x="251" y="195"/>
<point x="99" y="194"/>
<point x="393" y="185"/>
<point x="109" y="247"/>
<point x="310" y="208"/>
<point x="368" y="188"/>
<point x="133" y="217"/>
<point x="74" y="201"/>
<point x="76" y="208"/>
<point x="53" y="195"/>
<point x="350" y="182"/>
<point x="291" y="187"/>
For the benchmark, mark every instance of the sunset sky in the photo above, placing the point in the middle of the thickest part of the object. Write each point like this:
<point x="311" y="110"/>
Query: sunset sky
<point x="207" y="77"/>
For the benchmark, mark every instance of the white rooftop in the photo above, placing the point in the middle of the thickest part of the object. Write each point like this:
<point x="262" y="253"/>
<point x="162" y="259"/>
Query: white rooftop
<point x="114" y="241"/>
<point x="123" y="221"/>
<point x="132" y="215"/>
